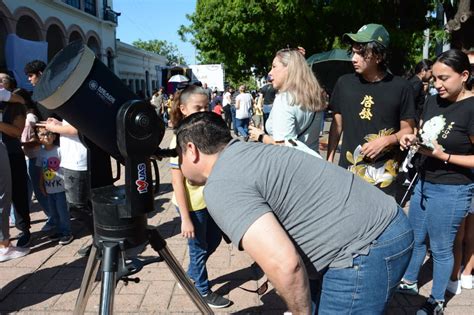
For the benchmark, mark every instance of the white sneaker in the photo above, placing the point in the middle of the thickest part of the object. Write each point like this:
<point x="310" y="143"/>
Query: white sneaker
<point x="12" y="252"/>
<point x="454" y="287"/>
<point x="466" y="282"/>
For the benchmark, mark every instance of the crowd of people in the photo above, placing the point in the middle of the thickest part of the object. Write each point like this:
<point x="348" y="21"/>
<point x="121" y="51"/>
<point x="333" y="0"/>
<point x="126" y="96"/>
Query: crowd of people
<point x="335" y="236"/>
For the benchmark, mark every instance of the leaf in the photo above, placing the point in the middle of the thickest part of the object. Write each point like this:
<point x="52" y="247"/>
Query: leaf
<point x="349" y="157"/>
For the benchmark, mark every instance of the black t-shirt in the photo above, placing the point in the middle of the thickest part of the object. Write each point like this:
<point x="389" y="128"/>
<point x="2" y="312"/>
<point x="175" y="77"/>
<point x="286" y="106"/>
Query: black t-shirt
<point x="450" y="124"/>
<point x="10" y="113"/>
<point x="419" y="94"/>
<point x="268" y="93"/>
<point x="370" y="110"/>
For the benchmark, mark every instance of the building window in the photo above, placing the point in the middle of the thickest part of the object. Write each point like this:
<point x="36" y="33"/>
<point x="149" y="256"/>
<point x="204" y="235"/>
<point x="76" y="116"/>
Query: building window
<point x="73" y="3"/>
<point x="90" y="7"/>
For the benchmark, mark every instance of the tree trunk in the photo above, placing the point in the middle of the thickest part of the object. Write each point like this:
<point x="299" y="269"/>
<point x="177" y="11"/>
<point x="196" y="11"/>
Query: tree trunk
<point x="461" y="25"/>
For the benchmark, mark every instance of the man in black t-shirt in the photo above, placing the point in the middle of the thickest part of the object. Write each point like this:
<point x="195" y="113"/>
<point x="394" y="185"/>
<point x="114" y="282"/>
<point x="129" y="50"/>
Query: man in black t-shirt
<point x="375" y="108"/>
<point x="421" y="77"/>
<point x="268" y="93"/>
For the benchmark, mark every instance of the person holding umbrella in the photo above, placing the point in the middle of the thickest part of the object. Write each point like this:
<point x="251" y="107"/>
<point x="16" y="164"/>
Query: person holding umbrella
<point x="376" y="108"/>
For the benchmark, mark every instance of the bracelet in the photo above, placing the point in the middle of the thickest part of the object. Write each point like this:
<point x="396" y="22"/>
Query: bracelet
<point x="447" y="161"/>
<point x="260" y="137"/>
<point x="398" y="140"/>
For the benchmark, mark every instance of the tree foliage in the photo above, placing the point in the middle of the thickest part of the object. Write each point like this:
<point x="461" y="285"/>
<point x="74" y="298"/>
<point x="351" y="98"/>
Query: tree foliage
<point x="163" y="48"/>
<point x="247" y="33"/>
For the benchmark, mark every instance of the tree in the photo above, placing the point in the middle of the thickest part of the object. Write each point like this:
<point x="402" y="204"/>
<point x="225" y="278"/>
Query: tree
<point x="161" y="47"/>
<point x="247" y="33"/>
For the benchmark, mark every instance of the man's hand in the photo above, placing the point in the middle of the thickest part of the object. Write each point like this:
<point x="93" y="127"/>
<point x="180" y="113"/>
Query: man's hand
<point x="373" y="148"/>
<point x="254" y="133"/>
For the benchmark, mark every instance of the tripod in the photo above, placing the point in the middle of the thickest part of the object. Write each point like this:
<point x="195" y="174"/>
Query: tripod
<point x="114" y="267"/>
<point x="112" y="253"/>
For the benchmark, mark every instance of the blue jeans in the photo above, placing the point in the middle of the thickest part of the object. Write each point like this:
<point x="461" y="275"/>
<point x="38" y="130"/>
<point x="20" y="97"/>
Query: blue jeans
<point x="59" y="213"/>
<point x="243" y="126"/>
<point x="34" y="173"/>
<point x="207" y="237"/>
<point x="436" y="211"/>
<point x="366" y="287"/>
<point x="234" y="120"/>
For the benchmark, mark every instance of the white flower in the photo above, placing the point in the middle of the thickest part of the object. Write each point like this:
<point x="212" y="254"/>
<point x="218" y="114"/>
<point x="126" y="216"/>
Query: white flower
<point x="431" y="130"/>
<point x="377" y="174"/>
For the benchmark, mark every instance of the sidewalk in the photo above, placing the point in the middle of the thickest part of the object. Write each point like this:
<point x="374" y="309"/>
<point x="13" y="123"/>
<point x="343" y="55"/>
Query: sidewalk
<point x="47" y="281"/>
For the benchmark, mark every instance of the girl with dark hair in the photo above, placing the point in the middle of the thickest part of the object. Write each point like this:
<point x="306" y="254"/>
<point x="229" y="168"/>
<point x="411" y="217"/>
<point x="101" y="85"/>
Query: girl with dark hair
<point x="442" y="196"/>
<point x="197" y="226"/>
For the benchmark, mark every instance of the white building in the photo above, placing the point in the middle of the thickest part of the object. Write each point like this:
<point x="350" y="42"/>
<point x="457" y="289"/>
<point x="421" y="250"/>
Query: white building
<point x="59" y="22"/>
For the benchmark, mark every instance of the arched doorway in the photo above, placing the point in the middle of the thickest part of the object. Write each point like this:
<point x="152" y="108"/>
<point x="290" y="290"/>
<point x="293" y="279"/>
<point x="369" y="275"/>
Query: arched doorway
<point x="75" y="35"/>
<point x="27" y="28"/>
<point x="55" y="39"/>
<point x="93" y="44"/>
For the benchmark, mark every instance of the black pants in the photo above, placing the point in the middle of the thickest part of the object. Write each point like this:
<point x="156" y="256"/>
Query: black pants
<point x="78" y="189"/>
<point x="228" y="116"/>
<point x="20" y="191"/>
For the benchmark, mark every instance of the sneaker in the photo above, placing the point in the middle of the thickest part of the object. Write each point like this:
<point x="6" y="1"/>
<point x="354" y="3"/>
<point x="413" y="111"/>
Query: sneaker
<point x="54" y="237"/>
<point x="12" y="252"/>
<point x="431" y="307"/>
<point x="214" y="300"/>
<point x="47" y="227"/>
<point x="407" y="288"/>
<point x="454" y="287"/>
<point x="24" y="240"/>
<point x="466" y="282"/>
<point x="66" y="240"/>
<point x="85" y="251"/>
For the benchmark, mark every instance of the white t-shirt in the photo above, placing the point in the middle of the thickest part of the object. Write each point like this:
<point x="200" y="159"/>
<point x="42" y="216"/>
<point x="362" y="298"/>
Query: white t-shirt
<point x="74" y="153"/>
<point x="227" y="99"/>
<point x="245" y="103"/>
<point x="49" y="161"/>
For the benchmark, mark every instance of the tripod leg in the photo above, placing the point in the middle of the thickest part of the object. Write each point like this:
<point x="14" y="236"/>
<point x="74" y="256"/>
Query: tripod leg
<point x="87" y="281"/>
<point x="159" y="244"/>
<point x="109" y="274"/>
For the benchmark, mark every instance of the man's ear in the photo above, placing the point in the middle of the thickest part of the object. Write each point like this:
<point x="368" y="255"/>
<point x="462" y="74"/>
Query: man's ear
<point x="193" y="151"/>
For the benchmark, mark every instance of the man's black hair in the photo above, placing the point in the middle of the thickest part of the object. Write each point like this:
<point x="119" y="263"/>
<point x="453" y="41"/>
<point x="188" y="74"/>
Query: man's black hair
<point x="207" y="130"/>
<point x="424" y="64"/>
<point x="377" y="50"/>
<point x="35" y="67"/>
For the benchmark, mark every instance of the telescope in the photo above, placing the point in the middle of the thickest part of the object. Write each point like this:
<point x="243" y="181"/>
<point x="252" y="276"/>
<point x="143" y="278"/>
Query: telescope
<point x="80" y="89"/>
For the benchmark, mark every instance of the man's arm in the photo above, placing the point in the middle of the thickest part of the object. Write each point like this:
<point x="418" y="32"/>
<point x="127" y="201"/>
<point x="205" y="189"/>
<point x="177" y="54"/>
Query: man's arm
<point x="373" y="148"/>
<point x="269" y="245"/>
<point x="334" y="136"/>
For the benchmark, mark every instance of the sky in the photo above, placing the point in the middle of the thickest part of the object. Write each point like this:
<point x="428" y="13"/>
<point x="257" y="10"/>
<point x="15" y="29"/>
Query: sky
<point x="155" y="19"/>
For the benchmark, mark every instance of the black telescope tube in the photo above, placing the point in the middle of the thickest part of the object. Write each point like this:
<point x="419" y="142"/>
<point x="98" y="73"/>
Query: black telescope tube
<point x="81" y="89"/>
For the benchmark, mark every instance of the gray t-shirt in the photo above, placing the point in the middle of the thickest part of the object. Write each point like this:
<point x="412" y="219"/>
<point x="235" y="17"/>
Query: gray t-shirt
<point x="330" y="214"/>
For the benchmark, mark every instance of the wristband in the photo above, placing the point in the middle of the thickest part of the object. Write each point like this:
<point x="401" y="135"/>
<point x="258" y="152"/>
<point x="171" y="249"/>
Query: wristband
<point x="447" y="161"/>
<point x="260" y="137"/>
<point x="396" y="137"/>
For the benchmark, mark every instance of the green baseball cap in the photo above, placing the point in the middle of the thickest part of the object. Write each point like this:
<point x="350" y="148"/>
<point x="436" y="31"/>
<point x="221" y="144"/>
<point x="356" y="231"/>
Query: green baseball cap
<point x="369" y="33"/>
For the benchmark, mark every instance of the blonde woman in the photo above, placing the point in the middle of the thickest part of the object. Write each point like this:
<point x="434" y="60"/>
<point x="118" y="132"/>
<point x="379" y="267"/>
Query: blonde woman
<point x="298" y="105"/>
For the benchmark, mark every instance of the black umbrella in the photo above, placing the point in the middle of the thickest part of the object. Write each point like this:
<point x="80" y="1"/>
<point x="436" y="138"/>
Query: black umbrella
<point x="328" y="66"/>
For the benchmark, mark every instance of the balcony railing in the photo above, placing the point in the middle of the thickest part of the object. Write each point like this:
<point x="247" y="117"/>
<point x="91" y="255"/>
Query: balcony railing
<point x="111" y="15"/>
